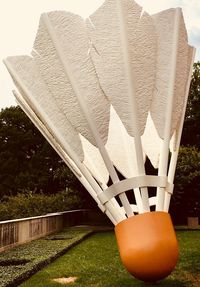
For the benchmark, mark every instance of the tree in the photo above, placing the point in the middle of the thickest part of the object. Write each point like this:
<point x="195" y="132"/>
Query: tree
<point x="191" y="130"/>
<point x="186" y="198"/>
<point x="27" y="161"/>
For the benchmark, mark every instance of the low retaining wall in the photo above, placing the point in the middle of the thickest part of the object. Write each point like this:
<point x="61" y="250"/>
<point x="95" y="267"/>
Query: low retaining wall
<point x="193" y="222"/>
<point x="19" y="231"/>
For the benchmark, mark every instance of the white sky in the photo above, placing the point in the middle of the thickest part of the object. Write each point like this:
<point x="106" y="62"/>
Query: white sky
<point x="19" y="21"/>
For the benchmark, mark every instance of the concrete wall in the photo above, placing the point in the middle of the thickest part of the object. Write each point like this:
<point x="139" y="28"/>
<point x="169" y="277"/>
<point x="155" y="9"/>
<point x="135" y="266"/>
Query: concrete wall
<point x="193" y="222"/>
<point x="19" y="231"/>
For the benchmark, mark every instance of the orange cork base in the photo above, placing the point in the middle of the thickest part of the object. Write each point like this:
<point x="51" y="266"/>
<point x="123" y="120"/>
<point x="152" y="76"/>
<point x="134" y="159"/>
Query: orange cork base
<point x="148" y="246"/>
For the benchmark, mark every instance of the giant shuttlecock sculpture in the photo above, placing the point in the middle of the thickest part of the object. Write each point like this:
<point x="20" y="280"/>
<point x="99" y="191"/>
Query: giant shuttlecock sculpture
<point x="108" y="92"/>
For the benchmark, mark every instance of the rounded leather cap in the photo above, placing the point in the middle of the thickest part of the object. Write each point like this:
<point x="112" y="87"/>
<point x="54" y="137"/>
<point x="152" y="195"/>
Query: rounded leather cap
<point x="148" y="246"/>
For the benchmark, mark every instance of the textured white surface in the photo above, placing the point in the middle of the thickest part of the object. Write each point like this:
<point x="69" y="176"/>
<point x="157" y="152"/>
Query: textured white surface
<point x="108" y="56"/>
<point x="44" y="129"/>
<point x="72" y="37"/>
<point x="165" y="27"/>
<point x="175" y="141"/>
<point x="29" y="75"/>
<point x="151" y="142"/>
<point x="120" y="147"/>
<point x="94" y="162"/>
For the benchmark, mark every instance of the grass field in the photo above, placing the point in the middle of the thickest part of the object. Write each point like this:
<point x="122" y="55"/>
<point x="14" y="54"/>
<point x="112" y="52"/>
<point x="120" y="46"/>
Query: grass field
<point x="95" y="262"/>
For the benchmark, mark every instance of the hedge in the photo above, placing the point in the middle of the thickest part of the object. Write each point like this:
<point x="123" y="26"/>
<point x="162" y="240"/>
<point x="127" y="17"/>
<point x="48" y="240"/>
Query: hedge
<point x="18" y="264"/>
<point x="29" y="204"/>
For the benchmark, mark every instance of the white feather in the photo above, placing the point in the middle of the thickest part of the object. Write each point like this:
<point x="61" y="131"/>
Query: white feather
<point x="151" y="142"/>
<point x="27" y="78"/>
<point x="71" y="35"/>
<point x="175" y="140"/>
<point x="165" y="27"/>
<point x="121" y="144"/>
<point x="109" y="50"/>
<point x="94" y="162"/>
<point x="124" y="54"/>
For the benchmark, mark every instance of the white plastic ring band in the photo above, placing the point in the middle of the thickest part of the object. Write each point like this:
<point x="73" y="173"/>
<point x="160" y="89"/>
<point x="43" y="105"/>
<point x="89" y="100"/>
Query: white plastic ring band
<point x="131" y="183"/>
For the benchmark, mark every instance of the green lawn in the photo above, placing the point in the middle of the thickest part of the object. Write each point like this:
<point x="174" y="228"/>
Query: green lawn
<point x="95" y="262"/>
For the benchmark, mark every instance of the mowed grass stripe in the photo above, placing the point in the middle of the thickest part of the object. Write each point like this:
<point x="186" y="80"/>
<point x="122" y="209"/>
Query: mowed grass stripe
<point x="95" y="262"/>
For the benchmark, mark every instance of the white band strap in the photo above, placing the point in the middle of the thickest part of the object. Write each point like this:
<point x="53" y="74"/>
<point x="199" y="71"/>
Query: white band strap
<point x="134" y="182"/>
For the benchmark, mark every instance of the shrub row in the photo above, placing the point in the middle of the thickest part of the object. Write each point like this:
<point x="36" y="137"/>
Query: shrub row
<point x="185" y="200"/>
<point x="30" y="204"/>
<point x="20" y="263"/>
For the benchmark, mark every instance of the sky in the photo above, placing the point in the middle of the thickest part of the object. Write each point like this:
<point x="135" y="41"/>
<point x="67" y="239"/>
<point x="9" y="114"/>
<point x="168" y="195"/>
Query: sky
<point x="19" y="21"/>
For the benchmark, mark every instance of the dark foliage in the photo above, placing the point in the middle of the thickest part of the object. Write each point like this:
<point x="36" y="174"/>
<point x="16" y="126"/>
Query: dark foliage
<point x="27" y="162"/>
<point x="186" y="198"/>
<point x="191" y="130"/>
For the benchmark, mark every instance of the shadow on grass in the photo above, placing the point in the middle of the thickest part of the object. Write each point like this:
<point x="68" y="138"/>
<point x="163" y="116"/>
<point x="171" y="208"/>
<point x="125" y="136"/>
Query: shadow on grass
<point x="166" y="283"/>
